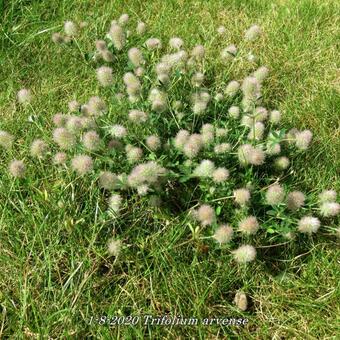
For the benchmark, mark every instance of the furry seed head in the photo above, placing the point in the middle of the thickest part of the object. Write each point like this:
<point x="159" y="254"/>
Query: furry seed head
<point x="153" y="44"/>
<point x="6" y="140"/>
<point x="118" y="131"/>
<point x="256" y="131"/>
<point x="96" y="106"/>
<point x="104" y="75"/>
<point x="141" y="28"/>
<point x="24" y="96"/>
<point x="107" y="180"/>
<point x="60" y="158"/>
<point x="204" y="169"/>
<point x="281" y="163"/>
<point x="133" y="154"/>
<point x="198" y="52"/>
<point x="327" y="196"/>
<point x="308" y="225"/>
<point x="241" y="301"/>
<point x="222" y="148"/>
<point x="220" y="175"/>
<point x="176" y="43"/>
<point x="295" y="200"/>
<point x="146" y="173"/>
<point x="135" y="56"/>
<point x="114" y="247"/>
<point x="200" y="102"/>
<point x="329" y="209"/>
<point x="74" y="124"/>
<point x="242" y="196"/>
<point x="223" y="234"/>
<point x="137" y="116"/>
<point x="197" y="79"/>
<point x="57" y="38"/>
<point x="181" y="138"/>
<point x="117" y="36"/>
<point x="193" y="146"/>
<point x="133" y="85"/>
<point x="91" y="140"/>
<point x="275" y="195"/>
<point x="252" y="33"/>
<point x="153" y="142"/>
<point x="143" y="189"/>
<point x="221" y="132"/>
<point x="60" y="119"/>
<point x="244" y="254"/>
<point x="64" y="138"/>
<point x="70" y="28"/>
<point x="114" y="203"/>
<point x="39" y="148"/>
<point x="260" y="114"/>
<point x="228" y="53"/>
<point x="249" y="225"/>
<point x="82" y="164"/>
<point x="247" y="154"/>
<point x="257" y="156"/>
<point x="206" y="214"/>
<point x="303" y="139"/>
<point x="101" y="45"/>
<point x="275" y="117"/>
<point x="232" y="88"/>
<point x="251" y="87"/>
<point x="221" y="30"/>
<point x="107" y="56"/>
<point x="123" y="19"/>
<point x="234" y="112"/>
<point x="261" y="73"/>
<point x="158" y="100"/>
<point x="73" y="106"/>
<point x="17" y="168"/>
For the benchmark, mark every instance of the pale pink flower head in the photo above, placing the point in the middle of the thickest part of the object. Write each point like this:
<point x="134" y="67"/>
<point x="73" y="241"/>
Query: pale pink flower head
<point x="308" y="225"/>
<point x="60" y="158"/>
<point x="249" y="225"/>
<point x="223" y="234"/>
<point x="141" y="28"/>
<point x="82" y="164"/>
<point x="91" y="140"/>
<point x="327" y="196"/>
<point x="104" y="76"/>
<point x="24" y="96"/>
<point x="242" y="196"/>
<point x="39" y="148"/>
<point x="117" y="36"/>
<point x="107" y="180"/>
<point x="252" y="33"/>
<point x="114" y="247"/>
<point x="303" y="139"/>
<point x="329" y="209"/>
<point x="135" y="56"/>
<point x="153" y="142"/>
<point x="244" y="254"/>
<point x="17" y="168"/>
<point x="6" y="140"/>
<point x="295" y="200"/>
<point x="64" y="138"/>
<point x="206" y="215"/>
<point x="70" y="28"/>
<point x="275" y="195"/>
<point x="220" y="175"/>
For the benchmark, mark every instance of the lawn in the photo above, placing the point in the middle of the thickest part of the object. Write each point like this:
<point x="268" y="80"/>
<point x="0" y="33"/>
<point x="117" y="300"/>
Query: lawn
<point x="55" y="274"/>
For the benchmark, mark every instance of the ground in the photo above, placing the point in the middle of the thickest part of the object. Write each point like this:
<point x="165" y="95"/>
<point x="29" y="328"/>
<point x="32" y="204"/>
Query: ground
<point x="55" y="272"/>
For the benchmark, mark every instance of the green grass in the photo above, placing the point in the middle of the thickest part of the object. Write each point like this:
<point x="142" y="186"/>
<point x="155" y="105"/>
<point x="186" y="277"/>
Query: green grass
<point x="55" y="273"/>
